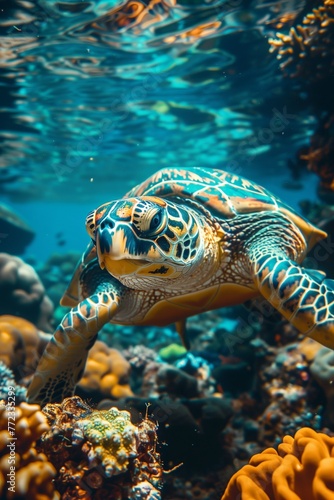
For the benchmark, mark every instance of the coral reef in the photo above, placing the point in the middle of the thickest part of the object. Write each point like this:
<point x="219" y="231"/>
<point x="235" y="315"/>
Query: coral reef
<point x="24" y="472"/>
<point x="23" y="293"/>
<point x="139" y="356"/>
<point x="189" y="377"/>
<point x="235" y="393"/>
<point x="302" y="468"/>
<point x="286" y="383"/>
<point x="307" y="51"/>
<point x="172" y="352"/>
<point x="185" y="425"/>
<point x="8" y="383"/>
<point x="106" y="374"/>
<point x="101" y="454"/>
<point x="307" y="54"/>
<point x="22" y="344"/>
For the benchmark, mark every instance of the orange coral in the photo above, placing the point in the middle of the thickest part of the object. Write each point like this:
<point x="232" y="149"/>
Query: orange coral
<point x="301" y="469"/>
<point x="21" y="344"/>
<point x="12" y="347"/>
<point x="29" y="472"/>
<point x="107" y="371"/>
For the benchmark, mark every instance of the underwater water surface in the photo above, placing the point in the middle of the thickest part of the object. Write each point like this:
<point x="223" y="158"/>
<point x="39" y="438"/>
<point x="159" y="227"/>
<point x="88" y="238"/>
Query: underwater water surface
<point x="95" y="97"/>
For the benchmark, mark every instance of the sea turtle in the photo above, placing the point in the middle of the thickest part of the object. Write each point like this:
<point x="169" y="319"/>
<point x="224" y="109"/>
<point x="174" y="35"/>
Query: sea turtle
<point x="180" y="243"/>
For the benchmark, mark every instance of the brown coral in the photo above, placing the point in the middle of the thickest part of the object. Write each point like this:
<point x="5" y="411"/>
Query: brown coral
<point x="301" y="469"/>
<point x="307" y="51"/>
<point x="107" y="371"/>
<point x="24" y="472"/>
<point x="101" y="454"/>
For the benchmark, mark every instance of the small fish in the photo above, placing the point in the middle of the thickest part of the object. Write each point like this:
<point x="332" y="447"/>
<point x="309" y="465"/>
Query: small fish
<point x="61" y="243"/>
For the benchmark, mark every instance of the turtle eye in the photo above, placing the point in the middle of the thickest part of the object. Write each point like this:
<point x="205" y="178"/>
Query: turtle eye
<point x="156" y="221"/>
<point x="90" y="225"/>
<point x="150" y="221"/>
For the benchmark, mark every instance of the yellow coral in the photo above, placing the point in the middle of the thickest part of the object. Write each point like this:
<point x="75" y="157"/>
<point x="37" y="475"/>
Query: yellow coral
<point x="112" y="437"/>
<point x="32" y="474"/>
<point x="101" y="450"/>
<point x="301" y="469"/>
<point x="107" y="371"/>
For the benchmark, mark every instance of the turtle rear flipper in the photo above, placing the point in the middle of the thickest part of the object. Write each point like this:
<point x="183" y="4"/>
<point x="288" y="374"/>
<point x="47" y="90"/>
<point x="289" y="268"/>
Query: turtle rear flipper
<point x="304" y="297"/>
<point x="63" y="361"/>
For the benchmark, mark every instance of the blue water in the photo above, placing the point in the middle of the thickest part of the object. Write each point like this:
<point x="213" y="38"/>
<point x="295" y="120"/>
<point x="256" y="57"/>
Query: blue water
<point x="96" y="96"/>
<point x="56" y="222"/>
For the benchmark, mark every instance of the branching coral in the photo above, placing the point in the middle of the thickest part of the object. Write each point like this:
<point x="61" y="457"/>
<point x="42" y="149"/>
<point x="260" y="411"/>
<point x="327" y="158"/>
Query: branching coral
<point x="22" y="292"/>
<point x="24" y="473"/>
<point x="101" y="454"/>
<point x="107" y="372"/>
<point x="307" y="51"/>
<point x="301" y="469"/>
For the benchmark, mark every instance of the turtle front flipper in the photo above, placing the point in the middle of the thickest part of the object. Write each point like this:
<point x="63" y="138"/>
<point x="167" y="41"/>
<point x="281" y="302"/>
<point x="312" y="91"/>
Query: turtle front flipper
<point x="63" y="361"/>
<point x="304" y="297"/>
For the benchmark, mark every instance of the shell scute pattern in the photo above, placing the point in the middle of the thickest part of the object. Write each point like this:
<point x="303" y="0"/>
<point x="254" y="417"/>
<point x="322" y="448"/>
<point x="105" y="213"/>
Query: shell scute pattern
<point x="221" y="192"/>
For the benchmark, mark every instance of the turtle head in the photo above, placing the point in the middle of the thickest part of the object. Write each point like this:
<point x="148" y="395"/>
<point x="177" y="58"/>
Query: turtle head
<point x="146" y="236"/>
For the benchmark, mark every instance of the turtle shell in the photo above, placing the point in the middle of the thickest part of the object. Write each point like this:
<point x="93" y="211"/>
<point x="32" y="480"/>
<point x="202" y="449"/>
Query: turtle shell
<point x="224" y="194"/>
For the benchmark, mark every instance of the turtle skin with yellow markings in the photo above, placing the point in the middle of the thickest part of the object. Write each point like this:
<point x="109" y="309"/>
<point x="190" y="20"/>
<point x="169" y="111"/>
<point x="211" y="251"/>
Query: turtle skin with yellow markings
<point x="181" y="243"/>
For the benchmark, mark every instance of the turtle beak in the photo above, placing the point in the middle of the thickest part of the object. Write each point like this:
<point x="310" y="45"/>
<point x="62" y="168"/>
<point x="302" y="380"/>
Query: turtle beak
<point x="112" y="252"/>
<point x="104" y="243"/>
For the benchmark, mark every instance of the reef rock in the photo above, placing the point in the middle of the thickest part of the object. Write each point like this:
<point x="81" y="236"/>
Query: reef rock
<point x="15" y="234"/>
<point x="22" y="292"/>
<point x="101" y="454"/>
